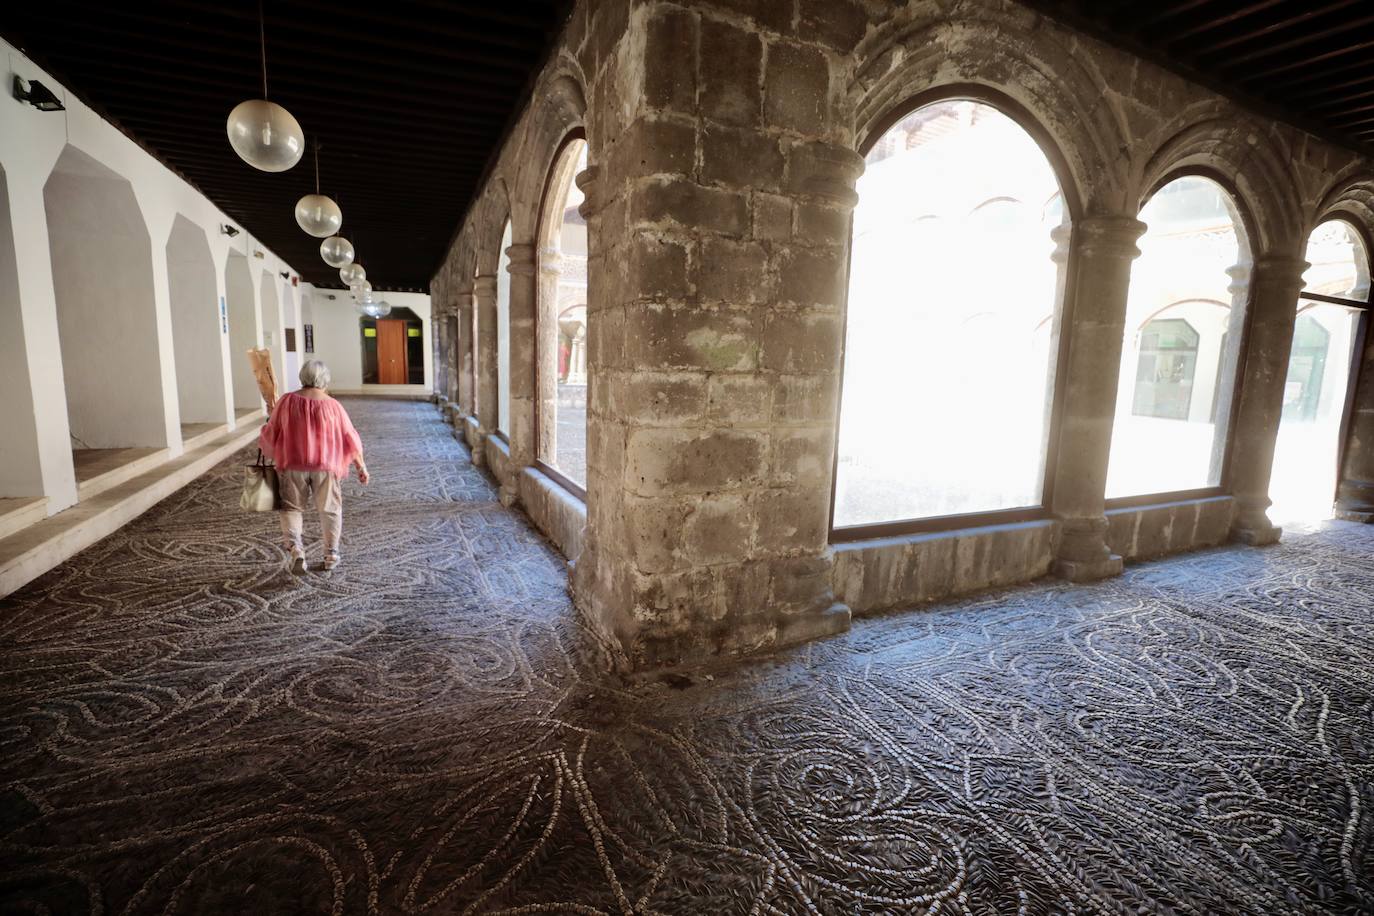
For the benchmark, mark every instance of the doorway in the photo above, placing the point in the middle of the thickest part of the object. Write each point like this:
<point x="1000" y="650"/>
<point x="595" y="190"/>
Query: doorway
<point x="392" y="368"/>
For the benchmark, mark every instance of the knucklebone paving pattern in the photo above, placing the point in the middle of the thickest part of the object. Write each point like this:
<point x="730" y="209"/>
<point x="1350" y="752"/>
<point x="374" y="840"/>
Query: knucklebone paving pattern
<point x="185" y="727"/>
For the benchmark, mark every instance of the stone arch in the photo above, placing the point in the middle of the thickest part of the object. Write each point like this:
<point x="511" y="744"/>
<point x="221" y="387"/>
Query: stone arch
<point x="245" y="330"/>
<point x="21" y="472"/>
<point x="1351" y="198"/>
<point x="196" y="328"/>
<point x="1246" y="160"/>
<point x="490" y="224"/>
<point x="1036" y="73"/>
<point x="102" y="266"/>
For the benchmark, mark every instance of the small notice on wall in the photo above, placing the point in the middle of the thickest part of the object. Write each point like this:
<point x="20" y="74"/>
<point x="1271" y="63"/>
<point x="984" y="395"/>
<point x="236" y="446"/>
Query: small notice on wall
<point x="290" y="340"/>
<point x="223" y="316"/>
<point x="309" y="338"/>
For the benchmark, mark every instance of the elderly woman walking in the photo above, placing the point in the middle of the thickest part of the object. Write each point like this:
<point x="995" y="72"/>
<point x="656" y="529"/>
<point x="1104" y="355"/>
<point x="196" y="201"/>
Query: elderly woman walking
<point x="313" y="444"/>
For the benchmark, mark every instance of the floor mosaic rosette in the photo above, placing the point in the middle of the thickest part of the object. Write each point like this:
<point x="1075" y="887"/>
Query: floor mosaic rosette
<point x="185" y="727"/>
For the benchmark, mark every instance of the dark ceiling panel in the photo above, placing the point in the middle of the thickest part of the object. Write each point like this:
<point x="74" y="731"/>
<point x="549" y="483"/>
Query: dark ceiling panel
<point x="408" y="101"/>
<point x="1308" y="62"/>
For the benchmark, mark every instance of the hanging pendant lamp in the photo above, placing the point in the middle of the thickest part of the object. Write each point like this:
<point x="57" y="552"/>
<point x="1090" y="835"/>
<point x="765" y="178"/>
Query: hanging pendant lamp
<point x="264" y="134"/>
<point x="352" y="274"/>
<point x="361" y="290"/>
<point x="337" y="251"/>
<point x="317" y="214"/>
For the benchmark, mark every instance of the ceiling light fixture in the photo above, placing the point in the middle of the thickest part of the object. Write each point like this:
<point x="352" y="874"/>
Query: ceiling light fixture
<point x="264" y="134"/>
<point x="317" y="214"/>
<point x="36" y="94"/>
<point x="352" y="274"/>
<point x="337" y="251"/>
<point x="228" y="230"/>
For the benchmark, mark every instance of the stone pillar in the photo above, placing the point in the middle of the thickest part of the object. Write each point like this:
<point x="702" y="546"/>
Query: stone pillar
<point x="1104" y="247"/>
<point x="1275" y="281"/>
<point x="463" y="362"/>
<point x="714" y="362"/>
<point x="1355" y="493"/>
<point x="520" y="265"/>
<point x="484" y="296"/>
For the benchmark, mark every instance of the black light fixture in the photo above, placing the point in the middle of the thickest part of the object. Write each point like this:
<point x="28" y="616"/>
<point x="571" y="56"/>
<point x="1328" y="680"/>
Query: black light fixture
<point x="228" y="230"/>
<point x="36" y="94"/>
<point x="286" y="275"/>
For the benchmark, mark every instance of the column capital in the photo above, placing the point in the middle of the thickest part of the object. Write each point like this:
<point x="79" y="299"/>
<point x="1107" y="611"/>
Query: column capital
<point x="1112" y="237"/>
<point x="484" y="287"/>
<point x="463" y="298"/>
<point x="826" y="171"/>
<point x="1279" y="270"/>
<point x="520" y="258"/>
<point x="589" y="183"/>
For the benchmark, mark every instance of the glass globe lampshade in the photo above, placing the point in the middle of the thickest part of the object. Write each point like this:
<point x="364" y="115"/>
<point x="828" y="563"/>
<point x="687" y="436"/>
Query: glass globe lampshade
<point x="337" y="251"/>
<point x="318" y="215"/>
<point x="265" y="135"/>
<point x="361" y="290"/>
<point x="377" y="309"/>
<point x="352" y="274"/>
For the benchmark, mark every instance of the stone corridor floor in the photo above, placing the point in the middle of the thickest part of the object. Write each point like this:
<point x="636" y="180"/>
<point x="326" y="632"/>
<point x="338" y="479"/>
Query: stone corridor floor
<point x="187" y="728"/>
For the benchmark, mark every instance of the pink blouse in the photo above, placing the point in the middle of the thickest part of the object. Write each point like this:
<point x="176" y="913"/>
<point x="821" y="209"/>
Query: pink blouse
<point x="306" y="434"/>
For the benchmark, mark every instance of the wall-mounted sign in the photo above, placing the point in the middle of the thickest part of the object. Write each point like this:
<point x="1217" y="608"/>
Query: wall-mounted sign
<point x="369" y="332"/>
<point x="290" y="340"/>
<point x="223" y="316"/>
<point x="412" y="332"/>
<point x="310" y="338"/>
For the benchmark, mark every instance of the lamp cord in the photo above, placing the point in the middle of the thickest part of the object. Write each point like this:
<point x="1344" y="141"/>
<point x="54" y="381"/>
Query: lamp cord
<point x="317" y="166"/>
<point x="262" y="41"/>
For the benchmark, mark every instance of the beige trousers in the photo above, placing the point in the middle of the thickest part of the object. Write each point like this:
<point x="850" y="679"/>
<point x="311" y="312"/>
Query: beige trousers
<point x="296" y="488"/>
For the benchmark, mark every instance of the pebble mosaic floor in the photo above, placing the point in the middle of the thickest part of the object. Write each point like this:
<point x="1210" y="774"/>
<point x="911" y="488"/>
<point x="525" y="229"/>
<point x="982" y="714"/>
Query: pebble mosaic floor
<point x="185" y="727"/>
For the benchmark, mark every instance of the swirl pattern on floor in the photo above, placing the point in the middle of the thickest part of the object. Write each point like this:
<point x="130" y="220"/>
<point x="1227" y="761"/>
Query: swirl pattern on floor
<point x="185" y="727"/>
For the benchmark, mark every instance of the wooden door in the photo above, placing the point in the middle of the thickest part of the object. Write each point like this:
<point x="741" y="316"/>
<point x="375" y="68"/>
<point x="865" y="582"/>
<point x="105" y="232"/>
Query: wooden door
<point x="391" y="352"/>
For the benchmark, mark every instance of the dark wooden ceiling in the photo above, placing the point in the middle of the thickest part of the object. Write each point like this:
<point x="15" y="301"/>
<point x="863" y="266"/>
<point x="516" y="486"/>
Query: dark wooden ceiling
<point x="1308" y="62"/>
<point x="408" y="99"/>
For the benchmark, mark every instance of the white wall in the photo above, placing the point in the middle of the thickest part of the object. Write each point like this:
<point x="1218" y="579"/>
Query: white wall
<point x="31" y="142"/>
<point x="199" y="341"/>
<point x="19" y="467"/>
<point x="245" y="329"/>
<point x="108" y="329"/>
<point x="338" y="340"/>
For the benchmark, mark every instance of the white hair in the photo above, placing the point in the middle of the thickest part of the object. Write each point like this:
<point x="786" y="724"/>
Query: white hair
<point x="315" y="374"/>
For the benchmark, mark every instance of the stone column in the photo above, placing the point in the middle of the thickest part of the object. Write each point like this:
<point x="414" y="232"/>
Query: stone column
<point x="520" y="265"/>
<point x="1103" y="248"/>
<point x="484" y="296"/>
<point x="1355" y="494"/>
<point x="463" y="355"/>
<point x="1275" y="281"/>
<point x="439" y="319"/>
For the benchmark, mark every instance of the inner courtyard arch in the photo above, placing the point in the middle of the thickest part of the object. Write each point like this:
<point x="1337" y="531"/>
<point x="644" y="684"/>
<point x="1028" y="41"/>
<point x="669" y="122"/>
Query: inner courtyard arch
<point x="245" y="329"/>
<point x="197" y="334"/>
<point x="107" y="321"/>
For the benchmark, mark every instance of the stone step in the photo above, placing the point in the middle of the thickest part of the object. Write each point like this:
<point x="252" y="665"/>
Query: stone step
<point x="98" y="470"/>
<point x="37" y="548"/>
<point x="18" y="513"/>
<point x="194" y="435"/>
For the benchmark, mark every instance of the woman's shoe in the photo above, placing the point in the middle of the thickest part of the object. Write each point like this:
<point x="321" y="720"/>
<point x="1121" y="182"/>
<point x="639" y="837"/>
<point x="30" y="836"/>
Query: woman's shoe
<point x="296" y="561"/>
<point x="330" y="561"/>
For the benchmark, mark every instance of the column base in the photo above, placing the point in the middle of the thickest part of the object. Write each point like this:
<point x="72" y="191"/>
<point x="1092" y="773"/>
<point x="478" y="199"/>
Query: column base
<point x="1104" y="567"/>
<point x="1350" y="515"/>
<point x="1257" y="536"/>
<point x="806" y="627"/>
<point x="509" y="493"/>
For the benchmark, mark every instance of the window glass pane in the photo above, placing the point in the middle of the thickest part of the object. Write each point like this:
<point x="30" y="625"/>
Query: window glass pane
<point x="1303" y="483"/>
<point x="563" y="319"/>
<point x="953" y="295"/>
<point x="1178" y="357"/>
<point x="503" y="335"/>
<point x="1339" y="263"/>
